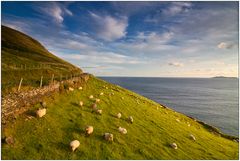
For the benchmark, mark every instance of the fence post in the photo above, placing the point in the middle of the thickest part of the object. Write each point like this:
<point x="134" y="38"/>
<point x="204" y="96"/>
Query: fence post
<point x="52" y="78"/>
<point x="41" y="82"/>
<point x="20" y="83"/>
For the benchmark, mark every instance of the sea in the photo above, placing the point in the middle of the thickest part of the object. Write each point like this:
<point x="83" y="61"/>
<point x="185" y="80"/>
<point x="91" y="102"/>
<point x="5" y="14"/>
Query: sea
<point x="212" y="100"/>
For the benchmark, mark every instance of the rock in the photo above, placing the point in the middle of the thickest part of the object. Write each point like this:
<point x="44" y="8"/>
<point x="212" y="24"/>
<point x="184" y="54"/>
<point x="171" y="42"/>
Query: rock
<point x="192" y="137"/>
<point x="9" y="140"/>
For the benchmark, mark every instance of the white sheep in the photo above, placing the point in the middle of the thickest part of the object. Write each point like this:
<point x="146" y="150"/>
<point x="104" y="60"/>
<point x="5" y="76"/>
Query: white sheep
<point x="80" y="103"/>
<point x="91" y="96"/>
<point x="70" y="89"/>
<point x="130" y="119"/>
<point x="89" y="130"/>
<point x="101" y="93"/>
<point x="74" y="144"/>
<point x="173" y="145"/>
<point x="106" y="87"/>
<point x="157" y="107"/>
<point x="122" y="130"/>
<point x="108" y="136"/>
<point x="80" y="88"/>
<point x="41" y="112"/>
<point x="97" y="100"/>
<point x="119" y="115"/>
<point x="99" y="112"/>
<point x="122" y="98"/>
<point x="192" y="137"/>
<point x="177" y="120"/>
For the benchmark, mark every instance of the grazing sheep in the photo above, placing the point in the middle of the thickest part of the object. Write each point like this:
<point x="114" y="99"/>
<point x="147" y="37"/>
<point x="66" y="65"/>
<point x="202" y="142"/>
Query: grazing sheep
<point x="43" y="104"/>
<point x="108" y="136"/>
<point x="122" y="98"/>
<point x="106" y="87"/>
<point x="119" y="115"/>
<point x="157" y="108"/>
<point x="80" y="88"/>
<point x="70" y="89"/>
<point x="192" y="137"/>
<point x="91" y="96"/>
<point x="99" y="112"/>
<point x="173" y="145"/>
<point x="41" y="112"/>
<point x="80" y="103"/>
<point x="188" y="124"/>
<point x="130" y="119"/>
<point x="177" y="120"/>
<point x="74" y="144"/>
<point x="122" y="130"/>
<point x="101" y="93"/>
<point x="97" y="100"/>
<point x="89" y="130"/>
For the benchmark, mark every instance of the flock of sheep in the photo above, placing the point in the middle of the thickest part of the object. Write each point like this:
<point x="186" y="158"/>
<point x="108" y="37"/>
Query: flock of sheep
<point x="89" y="129"/>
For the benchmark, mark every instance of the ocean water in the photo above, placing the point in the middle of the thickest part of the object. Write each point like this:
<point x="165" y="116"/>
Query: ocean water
<point x="212" y="100"/>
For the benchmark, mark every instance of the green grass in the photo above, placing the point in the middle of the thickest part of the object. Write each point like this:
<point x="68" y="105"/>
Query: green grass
<point x="147" y="138"/>
<point x="20" y="51"/>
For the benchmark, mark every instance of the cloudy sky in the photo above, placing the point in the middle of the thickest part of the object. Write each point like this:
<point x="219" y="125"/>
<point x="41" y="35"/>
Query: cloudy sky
<point x="152" y="39"/>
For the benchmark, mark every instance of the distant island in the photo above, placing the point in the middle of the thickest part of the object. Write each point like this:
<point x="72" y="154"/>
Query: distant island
<point x="225" y="77"/>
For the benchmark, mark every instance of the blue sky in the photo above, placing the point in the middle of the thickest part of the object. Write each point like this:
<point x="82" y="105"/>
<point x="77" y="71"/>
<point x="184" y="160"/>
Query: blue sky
<point x="152" y="39"/>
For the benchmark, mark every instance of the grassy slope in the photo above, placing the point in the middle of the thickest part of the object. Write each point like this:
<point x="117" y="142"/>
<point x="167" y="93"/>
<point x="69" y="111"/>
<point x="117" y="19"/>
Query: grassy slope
<point x="19" y="49"/>
<point x="147" y="138"/>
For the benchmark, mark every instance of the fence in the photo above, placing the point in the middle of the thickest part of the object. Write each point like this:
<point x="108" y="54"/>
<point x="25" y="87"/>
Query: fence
<point x="41" y="81"/>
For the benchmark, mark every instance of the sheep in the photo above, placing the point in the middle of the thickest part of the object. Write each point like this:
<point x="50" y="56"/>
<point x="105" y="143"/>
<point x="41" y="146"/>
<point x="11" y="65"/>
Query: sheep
<point x="99" y="112"/>
<point x="74" y="144"/>
<point x="70" y="89"/>
<point x="177" y="120"/>
<point x="173" y="145"/>
<point x="41" y="112"/>
<point x="157" y="107"/>
<point x="80" y="103"/>
<point x="122" y="98"/>
<point x="91" y="97"/>
<point x="89" y="130"/>
<point x="130" y="119"/>
<point x="108" y="136"/>
<point x="122" y="130"/>
<point x="101" y="93"/>
<point x="106" y="87"/>
<point x="97" y="100"/>
<point x="80" y="88"/>
<point x="192" y="137"/>
<point x="43" y="104"/>
<point x="188" y="124"/>
<point x="119" y="115"/>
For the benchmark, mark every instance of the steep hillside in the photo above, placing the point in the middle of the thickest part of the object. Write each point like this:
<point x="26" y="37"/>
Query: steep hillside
<point x="154" y="128"/>
<point x="24" y="57"/>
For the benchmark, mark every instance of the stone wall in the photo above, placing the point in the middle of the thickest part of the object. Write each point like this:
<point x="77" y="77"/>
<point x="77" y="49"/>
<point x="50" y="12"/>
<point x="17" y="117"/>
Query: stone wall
<point x="16" y="103"/>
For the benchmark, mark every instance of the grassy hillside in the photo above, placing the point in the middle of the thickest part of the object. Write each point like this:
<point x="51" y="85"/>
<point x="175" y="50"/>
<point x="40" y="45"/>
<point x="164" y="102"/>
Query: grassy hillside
<point x="147" y="138"/>
<point x="24" y="57"/>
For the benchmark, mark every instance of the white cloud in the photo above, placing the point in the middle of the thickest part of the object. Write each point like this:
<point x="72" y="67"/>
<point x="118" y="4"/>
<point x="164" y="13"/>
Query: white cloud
<point x="176" y="8"/>
<point x="109" y="28"/>
<point x="176" y="64"/>
<point x="55" y="10"/>
<point x="224" y="45"/>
